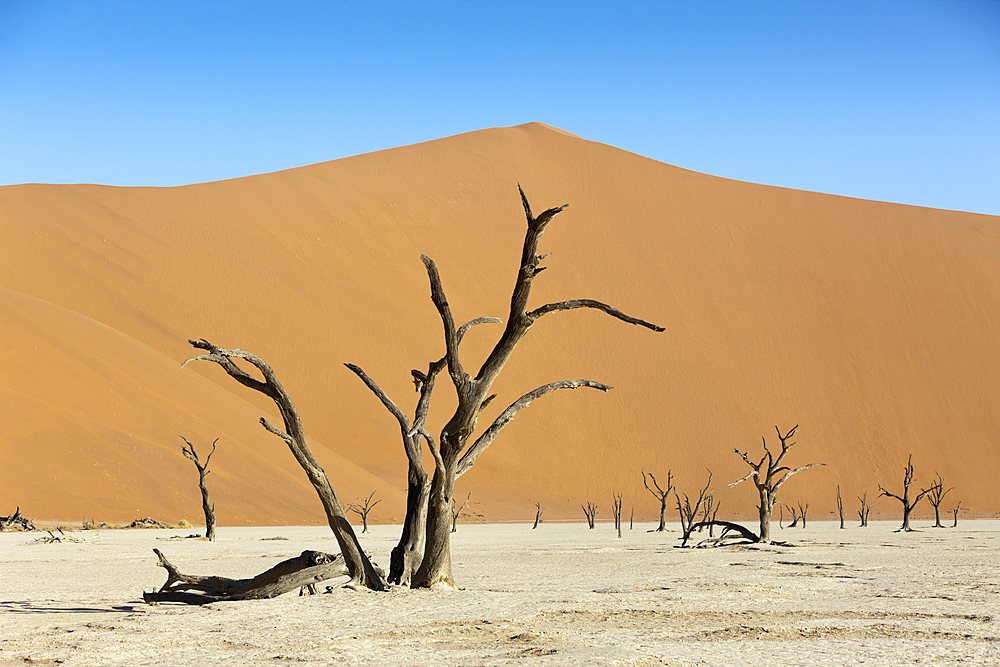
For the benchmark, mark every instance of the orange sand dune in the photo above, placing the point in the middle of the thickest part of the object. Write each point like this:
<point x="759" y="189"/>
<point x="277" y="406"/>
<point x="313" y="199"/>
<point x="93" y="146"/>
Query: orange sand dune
<point x="875" y="326"/>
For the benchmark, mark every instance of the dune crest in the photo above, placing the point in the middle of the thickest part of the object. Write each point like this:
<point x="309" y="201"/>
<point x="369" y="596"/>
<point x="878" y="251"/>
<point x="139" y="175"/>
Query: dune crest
<point x="874" y="326"/>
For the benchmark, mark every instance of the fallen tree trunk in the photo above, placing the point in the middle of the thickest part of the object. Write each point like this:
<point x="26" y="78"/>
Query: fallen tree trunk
<point x="306" y="569"/>
<point x="727" y="526"/>
<point x="17" y="521"/>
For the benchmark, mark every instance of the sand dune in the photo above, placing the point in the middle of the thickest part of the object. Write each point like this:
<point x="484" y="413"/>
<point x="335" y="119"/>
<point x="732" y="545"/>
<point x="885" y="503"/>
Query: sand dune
<point x="875" y="326"/>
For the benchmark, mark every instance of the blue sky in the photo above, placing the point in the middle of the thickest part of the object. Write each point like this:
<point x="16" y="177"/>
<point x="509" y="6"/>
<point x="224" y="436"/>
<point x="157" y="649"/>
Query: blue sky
<point x="895" y="101"/>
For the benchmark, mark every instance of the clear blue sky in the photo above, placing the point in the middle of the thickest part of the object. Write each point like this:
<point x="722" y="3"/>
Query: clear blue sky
<point x="895" y="101"/>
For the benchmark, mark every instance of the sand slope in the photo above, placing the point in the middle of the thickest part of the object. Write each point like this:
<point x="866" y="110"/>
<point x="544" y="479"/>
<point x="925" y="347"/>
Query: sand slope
<point x="874" y="326"/>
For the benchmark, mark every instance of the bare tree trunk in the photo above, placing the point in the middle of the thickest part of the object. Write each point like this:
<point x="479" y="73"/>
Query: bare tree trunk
<point x="866" y="507"/>
<point x="795" y="516"/>
<point x="362" y="572"/>
<point x="617" y="498"/>
<point x="363" y="508"/>
<point x="203" y="470"/>
<point x="457" y="512"/>
<point x="935" y="497"/>
<point x="905" y="498"/>
<point x="954" y="513"/>
<point x="452" y="458"/>
<point x="660" y="495"/>
<point x="840" y="507"/>
<point x="538" y="515"/>
<point x="409" y="552"/>
<point x="689" y="512"/>
<point x="768" y="479"/>
<point x="802" y="513"/>
<point x="590" y="511"/>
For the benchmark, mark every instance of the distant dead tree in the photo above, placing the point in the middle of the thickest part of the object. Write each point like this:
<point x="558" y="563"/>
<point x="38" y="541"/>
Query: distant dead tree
<point x="538" y="515"/>
<point x="769" y="478"/>
<point x="362" y="509"/>
<point x="617" y="499"/>
<point x="457" y="512"/>
<point x="802" y="512"/>
<point x="840" y="507"/>
<point x="908" y="505"/>
<point x="954" y="513"/>
<point x="660" y="495"/>
<point x="363" y="573"/>
<point x="866" y="508"/>
<point x="688" y="512"/>
<point x="590" y="511"/>
<point x="203" y="470"/>
<point x="457" y="450"/>
<point x="935" y="496"/>
<point x="795" y="516"/>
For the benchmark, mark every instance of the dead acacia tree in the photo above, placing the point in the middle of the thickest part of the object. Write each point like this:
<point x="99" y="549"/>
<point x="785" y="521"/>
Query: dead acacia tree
<point x="954" y="513"/>
<point x="456" y="512"/>
<point x="769" y="478"/>
<point x="457" y="451"/>
<point x="590" y="511"/>
<point x="795" y="517"/>
<point x="936" y="495"/>
<point x="538" y="515"/>
<point x="363" y="573"/>
<point x="802" y="513"/>
<point x="363" y="508"/>
<point x="406" y="556"/>
<point x="864" y="510"/>
<point x="688" y="512"/>
<point x="305" y="570"/>
<point x="617" y="500"/>
<point x="203" y="470"/>
<point x="908" y="505"/>
<point x="660" y="495"/>
<point x="840" y="507"/>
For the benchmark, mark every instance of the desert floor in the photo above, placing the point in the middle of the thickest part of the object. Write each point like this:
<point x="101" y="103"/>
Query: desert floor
<point x="558" y="595"/>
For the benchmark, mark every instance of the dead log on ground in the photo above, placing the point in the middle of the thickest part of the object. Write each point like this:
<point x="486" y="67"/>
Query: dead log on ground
<point x="306" y="569"/>
<point x="16" y="521"/>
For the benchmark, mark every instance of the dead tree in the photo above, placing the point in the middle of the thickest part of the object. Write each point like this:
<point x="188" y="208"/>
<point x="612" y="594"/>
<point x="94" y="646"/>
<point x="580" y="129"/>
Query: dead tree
<point x="590" y="511"/>
<point x="457" y="512"/>
<point x="363" y="508"/>
<point x="795" y="516"/>
<point x="617" y="500"/>
<point x="840" y="507"/>
<point x="538" y="515"/>
<point x="689" y="513"/>
<point x="908" y="505"/>
<point x="954" y="513"/>
<point x="660" y="495"/>
<point x="363" y="573"/>
<point x="457" y="451"/>
<point x="305" y="570"/>
<point x="802" y="513"/>
<point x="17" y="521"/>
<point x="406" y="556"/>
<point x="203" y="470"/>
<point x="769" y="478"/>
<point x="936" y="495"/>
<point x="864" y="510"/>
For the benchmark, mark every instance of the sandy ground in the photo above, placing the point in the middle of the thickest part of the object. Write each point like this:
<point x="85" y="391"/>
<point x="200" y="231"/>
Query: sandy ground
<point x="558" y="595"/>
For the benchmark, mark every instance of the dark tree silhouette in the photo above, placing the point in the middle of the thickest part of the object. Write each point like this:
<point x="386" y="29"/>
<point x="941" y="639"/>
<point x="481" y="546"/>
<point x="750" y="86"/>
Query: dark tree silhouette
<point x="457" y="451"/>
<point x="362" y="509"/>
<point x="908" y="505"/>
<point x="203" y="471"/>
<point x="769" y="478"/>
<point x="935" y="497"/>
<point x="661" y="495"/>
<point x="590" y="511"/>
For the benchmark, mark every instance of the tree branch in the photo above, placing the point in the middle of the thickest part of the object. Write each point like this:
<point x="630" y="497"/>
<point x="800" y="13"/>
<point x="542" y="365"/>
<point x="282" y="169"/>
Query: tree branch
<point x="484" y="441"/>
<point x="590" y="303"/>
